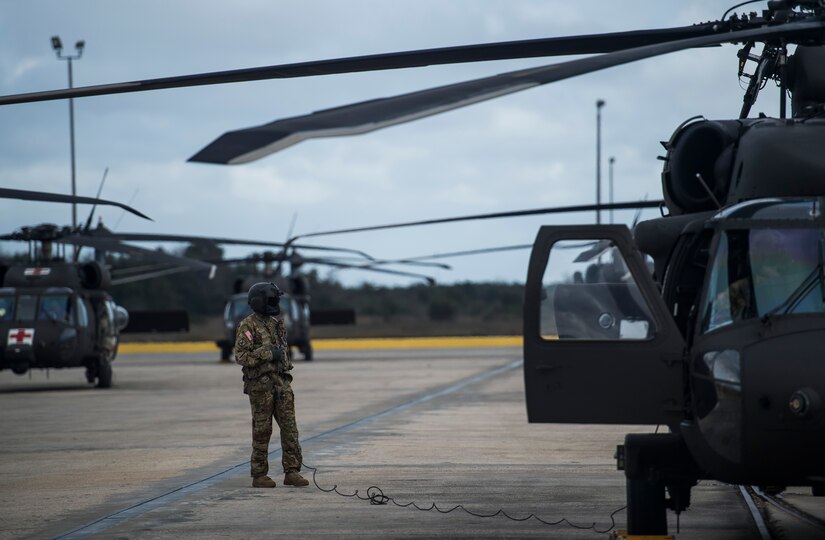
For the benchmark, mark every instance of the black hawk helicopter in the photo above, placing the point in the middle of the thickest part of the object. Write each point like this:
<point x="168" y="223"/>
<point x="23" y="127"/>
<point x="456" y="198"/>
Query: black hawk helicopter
<point x="720" y="345"/>
<point x="56" y="311"/>
<point x="295" y="303"/>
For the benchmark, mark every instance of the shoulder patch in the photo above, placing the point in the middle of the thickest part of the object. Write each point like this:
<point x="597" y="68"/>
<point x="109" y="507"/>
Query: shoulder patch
<point x="248" y="334"/>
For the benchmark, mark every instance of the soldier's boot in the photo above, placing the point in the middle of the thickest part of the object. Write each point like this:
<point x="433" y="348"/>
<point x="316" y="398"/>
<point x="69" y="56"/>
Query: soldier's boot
<point x="295" y="479"/>
<point x="263" y="482"/>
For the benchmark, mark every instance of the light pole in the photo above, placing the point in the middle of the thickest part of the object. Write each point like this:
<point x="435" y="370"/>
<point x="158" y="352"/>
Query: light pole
<point x="610" y="163"/>
<point x="57" y="45"/>
<point x="599" y="105"/>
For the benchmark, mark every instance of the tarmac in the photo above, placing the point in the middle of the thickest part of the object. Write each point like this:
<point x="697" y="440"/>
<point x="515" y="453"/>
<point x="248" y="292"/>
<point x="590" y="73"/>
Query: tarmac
<point x="165" y="453"/>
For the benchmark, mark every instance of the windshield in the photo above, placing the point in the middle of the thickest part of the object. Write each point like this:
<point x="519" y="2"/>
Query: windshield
<point x="756" y="272"/>
<point x="6" y="307"/>
<point x="55" y="307"/>
<point x="26" y="307"/>
<point x="240" y="309"/>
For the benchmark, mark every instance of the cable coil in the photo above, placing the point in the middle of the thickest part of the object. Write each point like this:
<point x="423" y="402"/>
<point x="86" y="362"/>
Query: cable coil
<point x="375" y="495"/>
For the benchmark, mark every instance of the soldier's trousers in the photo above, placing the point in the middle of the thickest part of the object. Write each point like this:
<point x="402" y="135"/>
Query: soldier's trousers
<point x="273" y="400"/>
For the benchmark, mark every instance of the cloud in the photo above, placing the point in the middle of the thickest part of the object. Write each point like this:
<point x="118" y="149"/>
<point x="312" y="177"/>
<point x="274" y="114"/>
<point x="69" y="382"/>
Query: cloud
<point x="530" y="149"/>
<point x="20" y="69"/>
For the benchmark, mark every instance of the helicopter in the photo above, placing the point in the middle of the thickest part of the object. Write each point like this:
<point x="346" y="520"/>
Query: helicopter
<point x="295" y="302"/>
<point x="55" y="311"/>
<point x="701" y="346"/>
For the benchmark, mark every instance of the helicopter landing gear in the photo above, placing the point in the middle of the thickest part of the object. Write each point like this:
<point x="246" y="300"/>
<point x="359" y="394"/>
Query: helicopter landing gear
<point x="306" y="351"/>
<point x="654" y="465"/>
<point x="104" y="371"/>
<point x="226" y="353"/>
<point x="20" y="368"/>
<point x="646" y="511"/>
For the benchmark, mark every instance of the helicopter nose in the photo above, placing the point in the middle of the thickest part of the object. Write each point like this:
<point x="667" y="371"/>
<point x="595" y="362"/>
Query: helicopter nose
<point x="804" y="402"/>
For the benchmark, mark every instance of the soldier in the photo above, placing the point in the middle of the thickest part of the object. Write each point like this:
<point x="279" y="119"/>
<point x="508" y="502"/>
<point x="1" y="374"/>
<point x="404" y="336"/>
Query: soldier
<point x="261" y="348"/>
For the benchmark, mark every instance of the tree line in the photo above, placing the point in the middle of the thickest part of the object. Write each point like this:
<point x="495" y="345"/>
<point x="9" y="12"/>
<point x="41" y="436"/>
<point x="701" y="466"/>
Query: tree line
<point x="203" y="298"/>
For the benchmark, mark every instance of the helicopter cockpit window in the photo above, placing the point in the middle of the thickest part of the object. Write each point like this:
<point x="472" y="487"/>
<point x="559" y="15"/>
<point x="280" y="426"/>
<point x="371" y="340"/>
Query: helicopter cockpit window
<point x="760" y="272"/>
<point x="288" y="308"/>
<point x="82" y="314"/>
<point x="6" y="307"/>
<point x="26" y="307"/>
<point x="588" y="293"/>
<point x="240" y="309"/>
<point x="55" y="307"/>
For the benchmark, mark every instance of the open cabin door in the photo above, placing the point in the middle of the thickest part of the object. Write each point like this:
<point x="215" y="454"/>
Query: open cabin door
<point x="599" y="344"/>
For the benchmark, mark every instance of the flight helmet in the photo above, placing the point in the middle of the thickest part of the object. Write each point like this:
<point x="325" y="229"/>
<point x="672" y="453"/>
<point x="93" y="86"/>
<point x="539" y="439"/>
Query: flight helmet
<point x="264" y="298"/>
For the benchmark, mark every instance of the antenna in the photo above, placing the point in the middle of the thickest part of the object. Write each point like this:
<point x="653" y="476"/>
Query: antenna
<point x="709" y="191"/>
<point x="292" y="225"/>
<point x="124" y="212"/>
<point x="99" y="189"/>
<point x="286" y="246"/>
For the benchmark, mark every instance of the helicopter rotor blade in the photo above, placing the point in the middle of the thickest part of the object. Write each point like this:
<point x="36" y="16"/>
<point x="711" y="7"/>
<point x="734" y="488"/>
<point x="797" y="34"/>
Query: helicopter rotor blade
<point x="367" y="268"/>
<point x="595" y="250"/>
<point x="126" y="270"/>
<point x="516" y="213"/>
<point x="337" y="260"/>
<point x="480" y="251"/>
<point x="150" y="237"/>
<point x="26" y="195"/>
<point x="557" y="46"/>
<point x="245" y="145"/>
<point x="377" y="263"/>
<point x="109" y="244"/>
<point x="592" y="250"/>
<point x="150" y="275"/>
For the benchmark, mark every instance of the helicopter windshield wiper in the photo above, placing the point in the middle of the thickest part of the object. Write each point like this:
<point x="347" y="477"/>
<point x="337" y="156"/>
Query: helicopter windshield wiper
<point x="799" y="293"/>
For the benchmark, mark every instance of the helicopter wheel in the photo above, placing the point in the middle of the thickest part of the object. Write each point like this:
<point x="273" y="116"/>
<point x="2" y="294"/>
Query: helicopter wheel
<point x="104" y="372"/>
<point x="226" y="353"/>
<point x="646" y="510"/>
<point x="306" y="350"/>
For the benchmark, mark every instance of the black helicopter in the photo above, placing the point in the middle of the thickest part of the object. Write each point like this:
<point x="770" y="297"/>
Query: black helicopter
<point x="295" y="303"/>
<point x="261" y="267"/>
<point x="720" y="344"/>
<point x="56" y="311"/>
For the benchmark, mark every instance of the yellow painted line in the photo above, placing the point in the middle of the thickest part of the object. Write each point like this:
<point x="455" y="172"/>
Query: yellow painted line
<point x="337" y="344"/>
<point x="418" y="343"/>
<point x="167" y="347"/>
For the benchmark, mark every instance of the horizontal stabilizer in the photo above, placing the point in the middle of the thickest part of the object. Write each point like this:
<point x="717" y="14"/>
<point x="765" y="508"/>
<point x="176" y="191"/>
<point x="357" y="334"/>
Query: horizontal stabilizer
<point x="325" y="317"/>
<point x="157" y="321"/>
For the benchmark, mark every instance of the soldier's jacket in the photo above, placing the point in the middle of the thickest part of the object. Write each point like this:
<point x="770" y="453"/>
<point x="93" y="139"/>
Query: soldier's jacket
<point x="256" y="336"/>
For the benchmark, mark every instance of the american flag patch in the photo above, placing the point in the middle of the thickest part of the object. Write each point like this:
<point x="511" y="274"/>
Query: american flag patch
<point x="248" y="335"/>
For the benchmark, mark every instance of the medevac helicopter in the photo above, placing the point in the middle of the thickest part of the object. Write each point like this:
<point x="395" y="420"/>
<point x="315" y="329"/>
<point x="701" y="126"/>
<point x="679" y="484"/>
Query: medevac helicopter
<point x="55" y="311"/>
<point x="720" y="345"/>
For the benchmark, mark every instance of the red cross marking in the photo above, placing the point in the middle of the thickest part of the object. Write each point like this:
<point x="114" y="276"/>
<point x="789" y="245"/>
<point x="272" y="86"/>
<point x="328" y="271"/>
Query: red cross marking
<point x="20" y="336"/>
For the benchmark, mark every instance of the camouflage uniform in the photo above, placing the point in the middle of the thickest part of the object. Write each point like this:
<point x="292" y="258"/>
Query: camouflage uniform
<point x="269" y="390"/>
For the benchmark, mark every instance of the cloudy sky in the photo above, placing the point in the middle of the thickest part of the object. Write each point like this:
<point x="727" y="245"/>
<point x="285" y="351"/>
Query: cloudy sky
<point x="527" y="150"/>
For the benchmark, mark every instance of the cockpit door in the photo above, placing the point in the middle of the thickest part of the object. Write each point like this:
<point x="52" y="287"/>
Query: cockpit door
<point x="599" y="343"/>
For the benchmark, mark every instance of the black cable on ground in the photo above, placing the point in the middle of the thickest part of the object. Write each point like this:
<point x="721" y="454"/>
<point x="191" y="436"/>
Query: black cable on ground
<point x="375" y="495"/>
